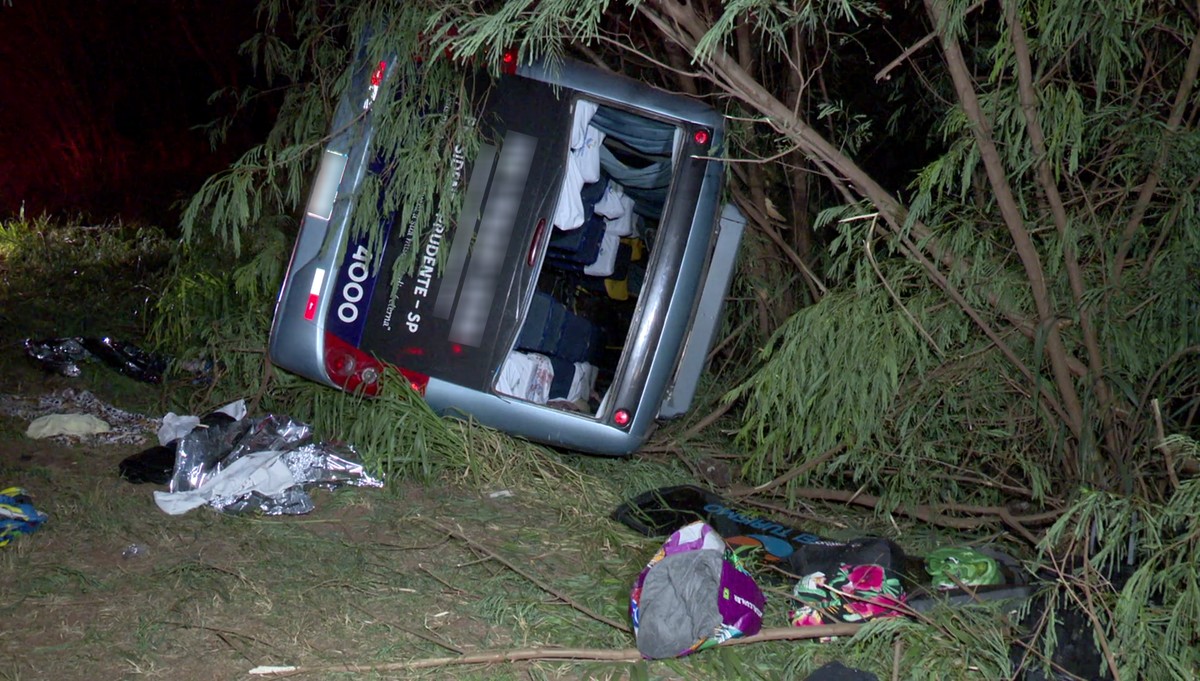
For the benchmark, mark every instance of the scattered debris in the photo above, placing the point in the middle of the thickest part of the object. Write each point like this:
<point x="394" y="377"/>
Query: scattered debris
<point x="65" y="424"/>
<point x="125" y="428"/>
<point x="64" y="355"/>
<point x="954" y="567"/>
<point x="133" y="551"/>
<point x="17" y="514"/>
<point x="854" y="593"/>
<point x="834" y="583"/>
<point x="800" y="553"/>
<point x="259" y="465"/>
<point x="658" y="512"/>
<point x="157" y="464"/>
<point x="694" y="594"/>
<point x="175" y="426"/>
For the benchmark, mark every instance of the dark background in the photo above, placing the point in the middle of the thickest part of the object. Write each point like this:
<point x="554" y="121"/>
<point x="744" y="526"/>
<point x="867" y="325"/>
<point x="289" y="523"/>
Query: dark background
<point x="103" y="103"/>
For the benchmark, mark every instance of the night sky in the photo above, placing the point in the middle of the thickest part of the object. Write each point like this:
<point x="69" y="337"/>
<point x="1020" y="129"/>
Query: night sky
<point x="101" y="101"/>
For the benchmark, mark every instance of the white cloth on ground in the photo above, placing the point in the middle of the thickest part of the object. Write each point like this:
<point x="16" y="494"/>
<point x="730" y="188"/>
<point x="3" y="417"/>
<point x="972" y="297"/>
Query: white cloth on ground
<point x="175" y="426"/>
<point x="65" y="424"/>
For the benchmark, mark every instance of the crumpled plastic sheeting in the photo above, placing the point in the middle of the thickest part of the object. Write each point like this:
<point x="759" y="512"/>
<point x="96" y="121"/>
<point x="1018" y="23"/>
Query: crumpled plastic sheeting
<point x="64" y="355"/>
<point x="125" y="428"/>
<point x="261" y="465"/>
<point x="175" y="426"/>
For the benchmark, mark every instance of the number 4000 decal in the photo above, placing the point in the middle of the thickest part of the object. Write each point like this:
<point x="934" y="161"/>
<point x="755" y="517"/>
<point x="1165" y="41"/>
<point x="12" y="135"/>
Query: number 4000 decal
<point x="352" y="291"/>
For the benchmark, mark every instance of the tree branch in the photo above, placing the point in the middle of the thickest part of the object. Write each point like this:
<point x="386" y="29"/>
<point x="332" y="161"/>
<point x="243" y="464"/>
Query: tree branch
<point x="1037" y="139"/>
<point x="1011" y="212"/>
<point x="679" y="23"/>
<point x="936" y="515"/>
<point x="1182" y="96"/>
<point x="915" y="47"/>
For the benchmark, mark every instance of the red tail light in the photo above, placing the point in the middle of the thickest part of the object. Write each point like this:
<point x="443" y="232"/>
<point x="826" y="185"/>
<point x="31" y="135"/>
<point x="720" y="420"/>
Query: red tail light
<point x="355" y="371"/>
<point x="622" y="417"/>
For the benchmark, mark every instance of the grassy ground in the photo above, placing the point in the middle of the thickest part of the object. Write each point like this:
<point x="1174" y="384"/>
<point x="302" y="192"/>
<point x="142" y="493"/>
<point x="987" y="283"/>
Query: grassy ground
<point x="372" y="579"/>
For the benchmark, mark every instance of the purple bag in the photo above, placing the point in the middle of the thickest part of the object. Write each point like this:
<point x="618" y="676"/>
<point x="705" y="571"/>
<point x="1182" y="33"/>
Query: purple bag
<point x="693" y="594"/>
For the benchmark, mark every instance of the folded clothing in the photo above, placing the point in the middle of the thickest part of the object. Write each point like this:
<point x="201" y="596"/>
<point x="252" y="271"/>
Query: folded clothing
<point x="570" y="213"/>
<point x="551" y="329"/>
<point x="527" y="376"/>
<point x="583" y="381"/>
<point x="543" y="324"/>
<point x="564" y="374"/>
<point x="574" y="250"/>
<point x="606" y="257"/>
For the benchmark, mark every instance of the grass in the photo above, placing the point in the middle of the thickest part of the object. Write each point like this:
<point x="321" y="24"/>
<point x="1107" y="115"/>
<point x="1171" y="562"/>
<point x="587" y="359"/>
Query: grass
<point x="429" y="567"/>
<point x="51" y="268"/>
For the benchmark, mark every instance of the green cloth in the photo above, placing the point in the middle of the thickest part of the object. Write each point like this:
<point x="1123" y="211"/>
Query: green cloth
<point x="956" y="566"/>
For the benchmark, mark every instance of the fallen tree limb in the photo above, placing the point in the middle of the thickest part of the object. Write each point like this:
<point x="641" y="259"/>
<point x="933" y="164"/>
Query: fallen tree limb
<point x="560" y="654"/>
<point x="794" y="473"/>
<point x="937" y="515"/>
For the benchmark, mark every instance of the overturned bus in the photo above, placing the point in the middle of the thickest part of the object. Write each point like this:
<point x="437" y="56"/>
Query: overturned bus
<point x="575" y="297"/>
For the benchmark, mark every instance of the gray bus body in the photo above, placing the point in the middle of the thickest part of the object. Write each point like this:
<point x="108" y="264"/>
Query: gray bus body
<point x="517" y="306"/>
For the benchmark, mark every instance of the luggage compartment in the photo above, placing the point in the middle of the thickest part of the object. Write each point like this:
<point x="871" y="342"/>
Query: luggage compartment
<point x="618" y="171"/>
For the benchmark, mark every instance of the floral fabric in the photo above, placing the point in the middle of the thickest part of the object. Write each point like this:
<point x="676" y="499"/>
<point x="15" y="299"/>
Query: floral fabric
<point x="855" y="593"/>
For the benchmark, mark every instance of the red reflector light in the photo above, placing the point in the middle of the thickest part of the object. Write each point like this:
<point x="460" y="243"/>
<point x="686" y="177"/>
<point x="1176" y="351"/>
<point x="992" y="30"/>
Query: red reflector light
<point x="340" y="364"/>
<point x="416" y="381"/>
<point x="508" y="62"/>
<point x="377" y="76"/>
<point x="701" y="136"/>
<point x="621" y="418"/>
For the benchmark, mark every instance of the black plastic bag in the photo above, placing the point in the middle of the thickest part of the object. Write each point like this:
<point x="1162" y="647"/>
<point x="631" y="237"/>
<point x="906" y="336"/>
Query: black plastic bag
<point x="64" y="355"/>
